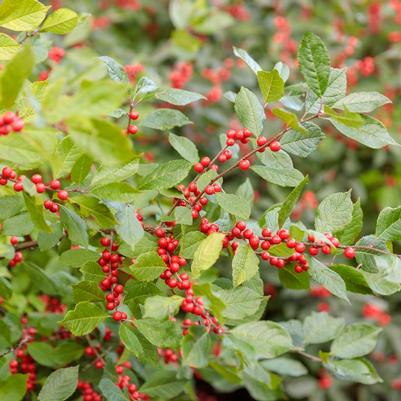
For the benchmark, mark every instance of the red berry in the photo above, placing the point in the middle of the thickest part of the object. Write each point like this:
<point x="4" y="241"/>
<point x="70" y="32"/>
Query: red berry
<point x="14" y="240"/>
<point x="261" y="141"/>
<point x="132" y="129"/>
<point x="275" y="146"/>
<point x="244" y="164"/>
<point x="205" y="161"/>
<point x="55" y="184"/>
<point x="134" y="115"/>
<point x="18" y="187"/>
<point x="105" y="241"/>
<point x="198" y="167"/>
<point x="62" y="195"/>
<point x="40" y="188"/>
<point x="349" y="252"/>
<point x="36" y="178"/>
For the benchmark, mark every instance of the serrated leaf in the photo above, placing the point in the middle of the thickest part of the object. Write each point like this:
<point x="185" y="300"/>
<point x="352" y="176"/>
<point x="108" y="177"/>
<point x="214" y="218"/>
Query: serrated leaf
<point x="112" y="175"/>
<point x="163" y="385"/>
<point x="148" y="266"/>
<point x="290" y="119"/>
<point x="179" y="97"/>
<point x="36" y="213"/>
<point x="130" y="340"/>
<point x="234" y="204"/>
<point x="321" y="327"/>
<point x="367" y="248"/>
<point x="75" y="225"/>
<point x="185" y="147"/>
<point x="13" y="388"/>
<point x="271" y="85"/>
<point x="60" y="385"/>
<point x="87" y="291"/>
<point x="115" y="70"/>
<point x="353" y="278"/>
<point x="356" y="370"/>
<point x="128" y="226"/>
<point x="314" y="63"/>
<point x="292" y="280"/>
<point x="60" y="22"/>
<point x="165" y="119"/>
<point x="78" y="257"/>
<point x="245" y="264"/>
<point x="207" y="253"/>
<point x="196" y="350"/>
<point x="352" y="230"/>
<point x="388" y="226"/>
<point x="249" y="111"/>
<point x="160" y="308"/>
<point x="362" y="102"/>
<point x="244" y="56"/>
<point x="84" y="318"/>
<point x="159" y="333"/>
<point x="111" y="391"/>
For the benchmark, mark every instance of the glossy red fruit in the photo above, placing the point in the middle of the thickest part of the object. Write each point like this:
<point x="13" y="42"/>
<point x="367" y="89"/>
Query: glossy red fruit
<point x="349" y="252"/>
<point x="275" y="146"/>
<point x="62" y="195"/>
<point x="244" y="164"/>
<point x="134" y="115"/>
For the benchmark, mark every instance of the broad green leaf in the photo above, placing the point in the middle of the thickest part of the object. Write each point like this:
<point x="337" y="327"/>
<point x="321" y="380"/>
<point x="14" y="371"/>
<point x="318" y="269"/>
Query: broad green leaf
<point x="314" y="63"/>
<point x="148" y="266"/>
<point x="285" y="366"/>
<point x="329" y="279"/>
<point x="115" y="70"/>
<point x="207" y="253"/>
<point x="112" y="175"/>
<point x="160" y="333"/>
<point x="84" y="318"/>
<point x="271" y="85"/>
<point x="179" y="97"/>
<point x="165" y="119"/>
<point x="54" y="357"/>
<point x="87" y="291"/>
<point x="36" y="213"/>
<point x="244" y="56"/>
<point x="372" y="133"/>
<point x="355" y="340"/>
<point x="60" y="385"/>
<point x="269" y="339"/>
<point x="189" y="243"/>
<point x="111" y="391"/>
<point x="334" y="212"/>
<point x="25" y="15"/>
<point x="283" y="70"/>
<point x="75" y="226"/>
<point x="40" y="278"/>
<point x="368" y="249"/>
<point x="136" y="293"/>
<point x="78" y="257"/>
<point x="347" y="118"/>
<point x="292" y="280"/>
<point x="130" y="340"/>
<point x="116" y="192"/>
<point x="163" y="385"/>
<point x="234" y="204"/>
<point x="352" y="230"/>
<point x="362" y="102"/>
<point x="13" y="388"/>
<point x="60" y="22"/>
<point x="185" y="147"/>
<point x="16" y="71"/>
<point x="166" y="175"/>
<point x="18" y="225"/>
<point x="358" y="370"/>
<point x="8" y="47"/>
<point x="245" y="264"/>
<point x="160" y="308"/>
<point x="380" y="284"/>
<point x="183" y="215"/>
<point x="196" y="350"/>
<point x="353" y="278"/>
<point x="321" y="327"/>
<point x="128" y="226"/>
<point x="388" y="226"/>
<point x="101" y="140"/>
<point x="290" y="202"/>
<point x="185" y="41"/>
<point x="249" y="111"/>
<point x="290" y="119"/>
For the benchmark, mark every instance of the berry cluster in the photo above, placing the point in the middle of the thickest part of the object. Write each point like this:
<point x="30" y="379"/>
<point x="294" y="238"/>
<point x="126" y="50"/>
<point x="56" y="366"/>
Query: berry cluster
<point x="133" y="70"/>
<point x="374" y="312"/>
<point x="132" y="116"/>
<point x="167" y="245"/>
<point x="88" y="393"/>
<point x="168" y="354"/>
<point x="110" y="261"/>
<point x="181" y="74"/>
<point x="56" y="54"/>
<point x="10" y="122"/>
<point x="124" y="381"/>
<point x="52" y="304"/>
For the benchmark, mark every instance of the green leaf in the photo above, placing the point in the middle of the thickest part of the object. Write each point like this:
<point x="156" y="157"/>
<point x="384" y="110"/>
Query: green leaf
<point x="36" y="213"/>
<point x="81" y="169"/>
<point x="166" y="175"/>
<point x="54" y="357"/>
<point x="271" y="85"/>
<point x="334" y="212"/>
<point x="75" y="226"/>
<point x="189" y="243"/>
<point x="26" y="15"/>
<point x="367" y="250"/>
<point x="314" y="63"/>
<point x="160" y="333"/>
<point x="234" y="204"/>
<point x="183" y="215"/>
<point x="353" y="278"/>
<point x="269" y="339"/>
<point x="112" y="175"/>
<point x="352" y="230"/>
<point x="8" y="47"/>
<point x="115" y="70"/>
<point x="160" y="308"/>
<point x="347" y="118"/>
<point x="329" y="279"/>
<point x="87" y="291"/>
<point x="388" y="226"/>
<point x="13" y="388"/>
<point x="60" y="385"/>
<point x="196" y="350"/>
<point x="356" y="370"/>
<point x="84" y="318"/>
<point x="292" y="280"/>
<point x="101" y="140"/>
<point x="244" y="56"/>
<point x="130" y="340"/>
<point x="78" y="257"/>
<point x="16" y="71"/>
<point x="362" y="102"/>
<point x="60" y="22"/>
<point x="290" y="119"/>
<point x="185" y="147"/>
<point x="249" y="111"/>
<point x="290" y="202"/>
<point x="321" y="327"/>
<point x="285" y="367"/>
<point x="355" y="340"/>
<point x="148" y="266"/>
<point x="179" y="97"/>
<point x="245" y="264"/>
<point x="372" y="133"/>
<point x="207" y="253"/>
<point x="111" y="391"/>
<point x="163" y="385"/>
<point x="128" y="226"/>
<point x="165" y="119"/>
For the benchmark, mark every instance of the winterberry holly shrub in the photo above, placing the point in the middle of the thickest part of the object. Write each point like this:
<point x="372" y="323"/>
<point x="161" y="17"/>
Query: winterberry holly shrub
<point x="129" y="278"/>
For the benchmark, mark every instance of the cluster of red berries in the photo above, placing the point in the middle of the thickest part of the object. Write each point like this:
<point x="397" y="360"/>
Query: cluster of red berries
<point x="88" y="393"/>
<point x="52" y="304"/>
<point x="133" y="70"/>
<point x="23" y="362"/>
<point x="56" y="54"/>
<point x="18" y="257"/>
<point x="181" y="74"/>
<point x="132" y="116"/>
<point x="167" y="245"/>
<point x="374" y="312"/>
<point x="168" y="354"/>
<point x="283" y="38"/>
<point x="124" y="381"/>
<point x="110" y="261"/>
<point x="10" y="122"/>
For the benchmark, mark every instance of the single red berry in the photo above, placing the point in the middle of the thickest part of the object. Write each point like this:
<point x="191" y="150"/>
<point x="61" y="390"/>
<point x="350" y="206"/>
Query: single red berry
<point x="244" y="164"/>
<point x="261" y="141"/>
<point x="36" y="178"/>
<point x="275" y="146"/>
<point x="205" y="161"/>
<point x="18" y="187"/>
<point x="40" y="187"/>
<point x="14" y="240"/>
<point x="132" y="129"/>
<point x="55" y="184"/>
<point x="62" y="195"/>
<point x="104" y="241"/>
<point x="349" y="252"/>
<point x="198" y="167"/>
<point x="134" y="115"/>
